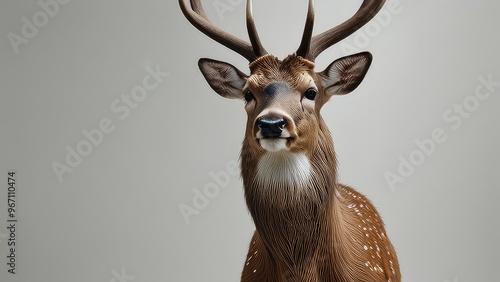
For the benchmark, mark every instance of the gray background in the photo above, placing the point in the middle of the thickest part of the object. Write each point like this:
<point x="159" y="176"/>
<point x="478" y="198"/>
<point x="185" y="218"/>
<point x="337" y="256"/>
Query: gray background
<point x="117" y="213"/>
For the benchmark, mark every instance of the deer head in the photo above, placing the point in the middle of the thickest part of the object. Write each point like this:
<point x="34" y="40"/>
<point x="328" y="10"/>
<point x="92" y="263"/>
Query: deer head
<point x="284" y="97"/>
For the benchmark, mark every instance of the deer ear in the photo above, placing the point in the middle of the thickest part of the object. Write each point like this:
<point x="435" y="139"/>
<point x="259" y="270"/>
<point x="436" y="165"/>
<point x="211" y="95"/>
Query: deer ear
<point x="345" y="74"/>
<point x="225" y="79"/>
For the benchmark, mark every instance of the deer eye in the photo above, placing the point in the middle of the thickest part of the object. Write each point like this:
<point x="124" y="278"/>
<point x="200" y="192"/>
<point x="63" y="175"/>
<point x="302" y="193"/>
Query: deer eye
<point x="310" y="93"/>
<point x="248" y="96"/>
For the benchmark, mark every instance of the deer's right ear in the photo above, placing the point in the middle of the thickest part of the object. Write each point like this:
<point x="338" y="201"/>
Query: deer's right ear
<point x="225" y="79"/>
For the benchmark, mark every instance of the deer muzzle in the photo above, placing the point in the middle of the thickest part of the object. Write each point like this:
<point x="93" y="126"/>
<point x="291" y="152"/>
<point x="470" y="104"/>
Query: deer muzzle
<point x="273" y="130"/>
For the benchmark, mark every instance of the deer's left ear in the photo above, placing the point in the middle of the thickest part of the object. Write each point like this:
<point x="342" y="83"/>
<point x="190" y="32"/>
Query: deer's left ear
<point x="345" y="74"/>
<point x="224" y="78"/>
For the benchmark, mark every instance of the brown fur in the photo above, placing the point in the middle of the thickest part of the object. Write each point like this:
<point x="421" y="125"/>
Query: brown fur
<point x="323" y="231"/>
<point x="308" y="229"/>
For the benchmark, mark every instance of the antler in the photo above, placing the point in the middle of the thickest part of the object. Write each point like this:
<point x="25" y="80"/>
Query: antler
<point x="311" y="47"/>
<point x="197" y="17"/>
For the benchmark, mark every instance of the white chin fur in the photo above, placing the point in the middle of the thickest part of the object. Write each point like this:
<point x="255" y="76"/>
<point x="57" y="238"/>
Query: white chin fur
<point x="284" y="168"/>
<point x="273" y="144"/>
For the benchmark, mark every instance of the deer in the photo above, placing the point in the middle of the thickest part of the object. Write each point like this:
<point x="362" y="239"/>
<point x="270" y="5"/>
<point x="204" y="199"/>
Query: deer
<point x="309" y="227"/>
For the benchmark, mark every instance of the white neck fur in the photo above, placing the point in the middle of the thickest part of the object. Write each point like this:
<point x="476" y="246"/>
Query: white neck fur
<point x="283" y="168"/>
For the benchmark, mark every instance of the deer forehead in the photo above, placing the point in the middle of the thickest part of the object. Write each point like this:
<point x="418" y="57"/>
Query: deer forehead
<point x="293" y="71"/>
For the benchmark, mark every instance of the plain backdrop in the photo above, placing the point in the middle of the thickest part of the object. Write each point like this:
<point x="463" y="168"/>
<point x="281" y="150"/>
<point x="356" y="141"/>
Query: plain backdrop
<point x="115" y="213"/>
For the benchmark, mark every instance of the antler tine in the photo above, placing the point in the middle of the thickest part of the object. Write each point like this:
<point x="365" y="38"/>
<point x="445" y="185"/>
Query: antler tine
<point x="197" y="17"/>
<point x="305" y="44"/>
<point x="252" y="32"/>
<point x="198" y="8"/>
<point x="320" y="42"/>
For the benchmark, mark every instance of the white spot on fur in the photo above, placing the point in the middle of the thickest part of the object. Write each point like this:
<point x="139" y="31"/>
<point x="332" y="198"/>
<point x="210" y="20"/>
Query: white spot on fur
<point x="283" y="167"/>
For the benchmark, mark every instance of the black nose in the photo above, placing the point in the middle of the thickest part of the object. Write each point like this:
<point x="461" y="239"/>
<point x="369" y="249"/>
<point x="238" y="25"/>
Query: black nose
<point x="271" y="127"/>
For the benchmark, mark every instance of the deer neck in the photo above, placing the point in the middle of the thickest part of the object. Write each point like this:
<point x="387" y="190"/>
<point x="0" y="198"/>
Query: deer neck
<point x="290" y="198"/>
